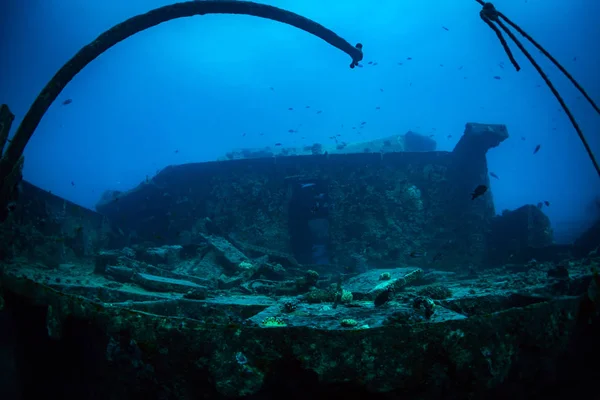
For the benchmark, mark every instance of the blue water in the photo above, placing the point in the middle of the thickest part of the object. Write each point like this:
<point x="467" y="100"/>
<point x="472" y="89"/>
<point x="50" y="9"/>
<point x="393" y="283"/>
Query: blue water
<point x="192" y="89"/>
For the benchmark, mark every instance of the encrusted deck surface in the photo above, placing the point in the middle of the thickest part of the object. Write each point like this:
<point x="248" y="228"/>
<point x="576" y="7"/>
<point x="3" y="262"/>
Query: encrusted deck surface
<point x="477" y="324"/>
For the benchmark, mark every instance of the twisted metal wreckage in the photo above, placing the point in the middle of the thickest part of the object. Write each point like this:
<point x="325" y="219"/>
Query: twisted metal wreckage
<point x="11" y="163"/>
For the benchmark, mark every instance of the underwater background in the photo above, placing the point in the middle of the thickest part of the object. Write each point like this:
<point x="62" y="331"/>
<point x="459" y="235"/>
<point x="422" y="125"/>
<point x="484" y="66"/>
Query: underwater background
<point x="193" y="89"/>
<point x="225" y="206"/>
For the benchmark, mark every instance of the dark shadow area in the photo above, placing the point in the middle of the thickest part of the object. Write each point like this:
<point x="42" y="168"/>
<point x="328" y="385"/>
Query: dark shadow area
<point x="309" y="221"/>
<point x="292" y="382"/>
<point x="85" y="364"/>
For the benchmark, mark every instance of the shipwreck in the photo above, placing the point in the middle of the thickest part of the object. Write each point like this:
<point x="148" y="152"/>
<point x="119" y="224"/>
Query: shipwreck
<point x="367" y="272"/>
<point x="226" y="270"/>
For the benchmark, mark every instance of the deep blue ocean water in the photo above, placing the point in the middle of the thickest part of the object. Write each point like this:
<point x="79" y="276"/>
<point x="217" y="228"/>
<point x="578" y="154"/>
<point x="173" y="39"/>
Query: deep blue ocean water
<point x="193" y="89"/>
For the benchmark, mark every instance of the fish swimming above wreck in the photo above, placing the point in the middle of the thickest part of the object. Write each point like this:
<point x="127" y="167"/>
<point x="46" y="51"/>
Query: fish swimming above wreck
<point x="479" y="191"/>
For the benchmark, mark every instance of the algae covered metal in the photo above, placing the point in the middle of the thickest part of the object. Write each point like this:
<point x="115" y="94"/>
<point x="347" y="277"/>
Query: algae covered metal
<point x="350" y="209"/>
<point x="253" y="271"/>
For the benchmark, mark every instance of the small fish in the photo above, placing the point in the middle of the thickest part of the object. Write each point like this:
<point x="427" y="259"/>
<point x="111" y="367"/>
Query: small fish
<point x="364" y="122"/>
<point x="537" y="148"/>
<point x="417" y="254"/>
<point x="437" y="257"/>
<point x="319" y="112"/>
<point x="523" y="138"/>
<point x="307" y="185"/>
<point x="547" y="203"/>
<point x="479" y="190"/>
<point x="497" y="77"/>
<point x="72" y="183"/>
<point x="176" y="151"/>
<point x="540" y="205"/>
<point x="370" y="62"/>
<point x="291" y="108"/>
<point x="493" y="175"/>
<point x="383" y="297"/>
<point x="291" y="131"/>
<point x="277" y="144"/>
<point x="444" y="28"/>
<point x="409" y="58"/>
<point x="67" y="102"/>
<point x="449" y="137"/>
<point x="381" y="90"/>
<point x="320" y="196"/>
<point x="378" y="108"/>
